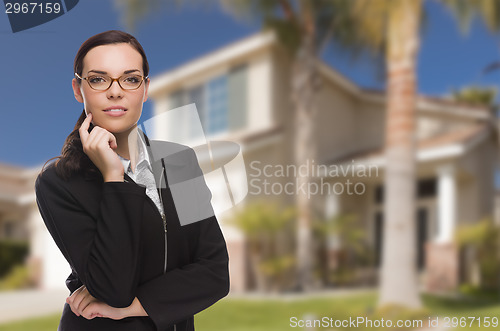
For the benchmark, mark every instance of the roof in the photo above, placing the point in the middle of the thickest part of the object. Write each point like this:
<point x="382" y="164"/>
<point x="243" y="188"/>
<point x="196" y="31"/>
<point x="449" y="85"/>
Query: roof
<point x="229" y="54"/>
<point x="426" y="103"/>
<point x="218" y="57"/>
<point x="448" y="144"/>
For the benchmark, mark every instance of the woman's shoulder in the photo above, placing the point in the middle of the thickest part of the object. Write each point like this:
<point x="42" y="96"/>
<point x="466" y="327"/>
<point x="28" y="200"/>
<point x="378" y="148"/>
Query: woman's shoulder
<point x="48" y="184"/>
<point x="47" y="174"/>
<point x="74" y="192"/>
<point x="50" y="178"/>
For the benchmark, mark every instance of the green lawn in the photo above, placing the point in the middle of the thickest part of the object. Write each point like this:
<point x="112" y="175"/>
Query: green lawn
<point x="244" y="315"/>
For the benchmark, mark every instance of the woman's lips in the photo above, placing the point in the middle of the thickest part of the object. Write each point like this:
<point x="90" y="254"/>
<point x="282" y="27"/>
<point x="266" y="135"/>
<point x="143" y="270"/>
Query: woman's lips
<point x="115" y="112"/>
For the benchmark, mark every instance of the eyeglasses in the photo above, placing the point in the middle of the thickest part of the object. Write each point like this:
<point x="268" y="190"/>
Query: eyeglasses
<point x="104" y="82"/>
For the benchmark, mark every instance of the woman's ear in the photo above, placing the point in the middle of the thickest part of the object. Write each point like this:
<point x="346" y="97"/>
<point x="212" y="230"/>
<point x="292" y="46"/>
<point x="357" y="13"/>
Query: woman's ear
<point x="146" y="87"/>
<point x="76" y="90"/>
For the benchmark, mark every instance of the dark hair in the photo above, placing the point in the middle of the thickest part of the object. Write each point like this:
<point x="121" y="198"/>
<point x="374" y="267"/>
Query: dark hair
<point x="72" y="159"/>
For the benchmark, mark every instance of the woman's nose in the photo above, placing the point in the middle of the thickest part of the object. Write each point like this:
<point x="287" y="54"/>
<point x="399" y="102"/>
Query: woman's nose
<point x="115" y="91"/>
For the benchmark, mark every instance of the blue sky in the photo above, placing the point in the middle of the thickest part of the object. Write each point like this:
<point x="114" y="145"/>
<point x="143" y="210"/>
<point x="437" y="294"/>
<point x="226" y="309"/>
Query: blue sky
<point x="37" y="104"/>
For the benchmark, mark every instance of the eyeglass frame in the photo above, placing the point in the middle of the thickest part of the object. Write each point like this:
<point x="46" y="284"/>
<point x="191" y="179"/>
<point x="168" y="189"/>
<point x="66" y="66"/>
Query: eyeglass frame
<point x="144" y="78"/>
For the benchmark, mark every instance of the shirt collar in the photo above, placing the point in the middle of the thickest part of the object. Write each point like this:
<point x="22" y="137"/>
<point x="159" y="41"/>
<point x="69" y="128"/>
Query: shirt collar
<point x="143" y="156"/>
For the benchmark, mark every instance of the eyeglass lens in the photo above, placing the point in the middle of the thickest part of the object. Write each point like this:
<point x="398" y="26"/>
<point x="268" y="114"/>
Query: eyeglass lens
<point x="103" y="82"/>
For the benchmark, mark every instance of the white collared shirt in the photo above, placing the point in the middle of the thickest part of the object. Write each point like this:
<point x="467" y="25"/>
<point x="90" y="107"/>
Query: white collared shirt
<point x="143" y="173"/>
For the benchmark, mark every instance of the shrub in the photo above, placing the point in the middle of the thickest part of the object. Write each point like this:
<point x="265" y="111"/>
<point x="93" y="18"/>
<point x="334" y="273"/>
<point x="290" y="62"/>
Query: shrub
<point x="268" y="230"/>
<point x="12" y="252"/>
<point x="17" y="278"/>
<point x="483" y="238"/>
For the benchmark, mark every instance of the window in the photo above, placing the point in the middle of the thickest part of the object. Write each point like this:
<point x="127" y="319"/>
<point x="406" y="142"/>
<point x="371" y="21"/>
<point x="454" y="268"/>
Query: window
<point x="221" y="103"/>
<point x="216" y="112"/>
<point x="212" y="105"/>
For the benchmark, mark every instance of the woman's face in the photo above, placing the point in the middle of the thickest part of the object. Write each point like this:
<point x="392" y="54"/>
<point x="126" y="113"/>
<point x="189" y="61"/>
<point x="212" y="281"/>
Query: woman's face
<point x="114" y="61"/>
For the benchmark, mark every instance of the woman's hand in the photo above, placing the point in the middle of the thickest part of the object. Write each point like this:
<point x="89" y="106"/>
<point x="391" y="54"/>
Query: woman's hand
<point x="84" y="304"/>
<point x="99" y="145"/>
<point x="100" y="309"/>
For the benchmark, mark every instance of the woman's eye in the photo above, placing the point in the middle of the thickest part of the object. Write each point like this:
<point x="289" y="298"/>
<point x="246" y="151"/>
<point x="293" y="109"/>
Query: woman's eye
<point x="96" y="79"/>
<point x="132" y="79"/>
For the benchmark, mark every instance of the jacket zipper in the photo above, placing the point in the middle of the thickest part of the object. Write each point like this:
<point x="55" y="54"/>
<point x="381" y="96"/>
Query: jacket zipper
<point x="164" y="219"/>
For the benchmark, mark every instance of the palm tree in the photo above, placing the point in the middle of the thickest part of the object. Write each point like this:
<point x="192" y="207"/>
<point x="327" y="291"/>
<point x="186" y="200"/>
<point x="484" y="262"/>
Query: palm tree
<point x="397" y="24"/>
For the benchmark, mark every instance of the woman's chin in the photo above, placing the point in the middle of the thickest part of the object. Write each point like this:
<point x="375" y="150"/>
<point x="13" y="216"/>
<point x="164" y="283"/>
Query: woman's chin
<point x="121" y="130"/>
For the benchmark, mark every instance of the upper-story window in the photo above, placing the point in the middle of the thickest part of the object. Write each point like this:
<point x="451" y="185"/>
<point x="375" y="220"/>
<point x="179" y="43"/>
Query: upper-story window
<point x="216" y="108"/>
<point x="212" y="104"/>
<point x="221" y="103"/>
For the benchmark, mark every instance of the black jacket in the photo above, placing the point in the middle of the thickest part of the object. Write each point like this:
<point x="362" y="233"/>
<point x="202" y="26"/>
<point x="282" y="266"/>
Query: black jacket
<point x="113" y="237"/>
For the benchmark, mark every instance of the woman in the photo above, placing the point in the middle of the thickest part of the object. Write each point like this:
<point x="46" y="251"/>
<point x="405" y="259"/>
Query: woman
<point x="107" y="202"/>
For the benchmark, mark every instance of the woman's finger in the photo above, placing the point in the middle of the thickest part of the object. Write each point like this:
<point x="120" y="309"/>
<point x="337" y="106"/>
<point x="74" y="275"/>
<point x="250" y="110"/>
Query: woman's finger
<point x="84" y="128"/>
<point x="90" y="311"/>
<point x="80" y="299"/>
<point x="74" y="294"/>
<point x="100" y="309"/>
<point x="73" y="309"/>
<point x="94" y="137"/>
<point x="108" y="140"/>
<point x="76" y="303"/>
<point x="88" y="299"/>
<point x="95" y="309"/>
<point x="112" y="141"/>
<point x="101" y="140"/>
<point x="75" y="299"/>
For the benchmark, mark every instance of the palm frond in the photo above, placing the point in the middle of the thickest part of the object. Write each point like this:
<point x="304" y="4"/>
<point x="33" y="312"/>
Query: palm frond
<point x="491" y="67"/>
<point x="467" y="10"/>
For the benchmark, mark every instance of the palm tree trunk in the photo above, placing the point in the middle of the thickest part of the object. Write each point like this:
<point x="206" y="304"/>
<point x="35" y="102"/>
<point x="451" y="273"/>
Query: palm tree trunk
<point x="399" y="273"/>
<point x="304" y="76"/>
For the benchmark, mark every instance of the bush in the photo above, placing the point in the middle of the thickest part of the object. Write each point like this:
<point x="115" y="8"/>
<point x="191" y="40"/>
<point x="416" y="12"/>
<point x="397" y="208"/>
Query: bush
<point x="269" y="234"/>
<point x="352" y="254"/>
<point x="483" y="239"/>
<point x="12" y="252"/>
<point x="18" y="278"/>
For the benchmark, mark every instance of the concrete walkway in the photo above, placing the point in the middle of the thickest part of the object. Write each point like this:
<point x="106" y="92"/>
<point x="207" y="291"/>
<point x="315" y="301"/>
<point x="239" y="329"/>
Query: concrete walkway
<point x="24" y="304"/>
